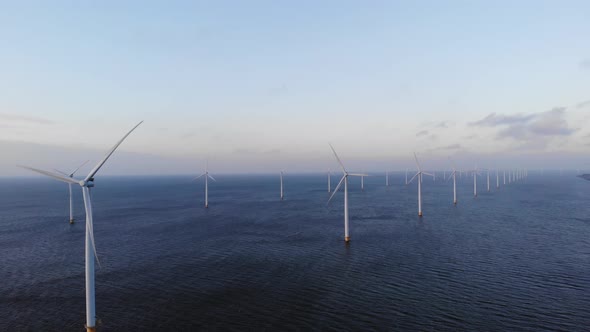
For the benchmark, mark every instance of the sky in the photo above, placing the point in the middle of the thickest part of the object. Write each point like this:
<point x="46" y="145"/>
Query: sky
<point x="258" y="86"/>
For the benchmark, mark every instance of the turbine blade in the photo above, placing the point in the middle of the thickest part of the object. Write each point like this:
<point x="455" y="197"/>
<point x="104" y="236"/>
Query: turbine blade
<point x="425" y="173"/>
<point x="453" y="164"/>
<point x="336" y="189"/>
<point x="413" y="177"/>
<point x="91" y="231"/>
<point x="99" y="165"/>
<point x="417" y="163"/>
<point x="60" y="172"/>
<point x="198" y="177"/>
<point x="74" y="172"/>
<point x="357" y="174"/>
<point x="52" y="175"/>
<point x="451" y="175"/>
<point x="339" y="161"/>
<point x="212" y="178"/>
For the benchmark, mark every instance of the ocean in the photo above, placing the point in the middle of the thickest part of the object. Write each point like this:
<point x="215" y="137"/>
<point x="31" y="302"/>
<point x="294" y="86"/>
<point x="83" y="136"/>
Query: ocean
<point x="516" y="258"/>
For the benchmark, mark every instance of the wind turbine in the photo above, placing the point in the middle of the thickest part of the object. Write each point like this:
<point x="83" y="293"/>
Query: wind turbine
<point x="454" y="175"/>
<point x="282" y="194"/>
<point x="497" y="179"/>
<point x="419" y="175"/>
<point x="71" y="175"/>
<point x="207" y="177"/>
<point x="329" y="176"/>
<point x="387" y="178"/>
<point x="345" y="180"/>
<point x="475" y="174"/>
<point x="406" y="176"/>
<point x="488" y="179"/>
<point x="90" y="251"/>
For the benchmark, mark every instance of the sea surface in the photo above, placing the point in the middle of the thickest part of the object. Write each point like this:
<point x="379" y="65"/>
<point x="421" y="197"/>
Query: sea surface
<point x="516" y="258"/>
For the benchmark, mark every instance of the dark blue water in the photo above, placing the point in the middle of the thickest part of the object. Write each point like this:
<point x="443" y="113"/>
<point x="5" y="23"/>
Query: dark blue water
<point x="517" y="258"/>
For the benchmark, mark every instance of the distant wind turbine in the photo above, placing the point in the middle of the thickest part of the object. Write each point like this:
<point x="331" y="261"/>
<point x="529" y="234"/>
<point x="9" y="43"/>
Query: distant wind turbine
<point x="90" y="251"/>
<point x="475" y="174"/>
<point x="329" y="176"/>
<point x="386" y="178"/>
<point x="345" y="181"/>
<point x="207" y="177"/>
<point x="454" y="175"/>
<point x="419" y="175"/>
<point x="282" y="193"/>
<point x="71" y="175"/>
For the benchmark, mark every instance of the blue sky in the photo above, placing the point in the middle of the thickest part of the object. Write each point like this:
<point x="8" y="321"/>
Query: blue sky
<point x="265" y="84"/>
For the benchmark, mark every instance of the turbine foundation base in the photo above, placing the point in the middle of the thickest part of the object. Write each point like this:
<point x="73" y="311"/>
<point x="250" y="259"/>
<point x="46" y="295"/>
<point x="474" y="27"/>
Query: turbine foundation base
<point x="347" y="239"/>
<point x="420" y="214"/>
<point x="71" y="221"/>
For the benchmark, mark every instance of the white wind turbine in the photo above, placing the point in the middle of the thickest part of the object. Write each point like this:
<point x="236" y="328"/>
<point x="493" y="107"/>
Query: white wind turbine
<point x="497" y="179"/>
<point x="406" y="176"/>
<point x="207" y="177"/>
<point x="488" y="179"/>
<point x="454" y="175"/>
<point x="71" y="175"/>
<point x="345" y="180"/>
<point x="475" y="174"/>
<point x="387" y="178"/>
<point x="419" y="175"/>
<point x="282" y="193"/>
<point x="329" y="184"/>
<point x="90" y="251"/>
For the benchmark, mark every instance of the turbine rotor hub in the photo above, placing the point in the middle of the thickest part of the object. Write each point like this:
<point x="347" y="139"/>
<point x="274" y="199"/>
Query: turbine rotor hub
<point x="88" y="184"/>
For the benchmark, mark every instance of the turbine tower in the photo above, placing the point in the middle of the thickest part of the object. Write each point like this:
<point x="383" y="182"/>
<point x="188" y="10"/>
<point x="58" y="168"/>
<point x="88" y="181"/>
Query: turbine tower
<point x="90" y="250"/>
<point x="71" y="175"/>
<point x="419" y="175"/>
<point x="345" y="180"/>
<point x="329" y="176"/>
<point x="362" y="183"/>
